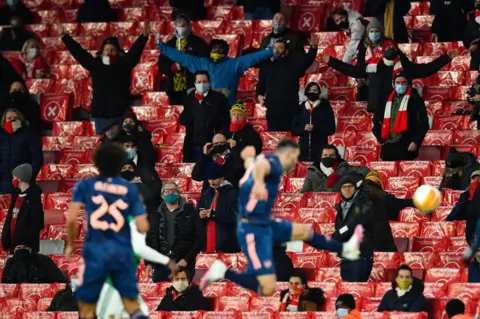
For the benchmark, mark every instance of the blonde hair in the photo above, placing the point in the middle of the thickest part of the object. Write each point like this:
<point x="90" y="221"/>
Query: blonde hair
<point x="25" y="45"/>
<point x="20" y="116"/>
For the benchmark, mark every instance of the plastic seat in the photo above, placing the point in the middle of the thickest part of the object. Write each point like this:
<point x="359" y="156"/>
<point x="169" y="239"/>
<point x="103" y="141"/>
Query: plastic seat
<point x="345" y="138"/>
<point x="229" y="303"/>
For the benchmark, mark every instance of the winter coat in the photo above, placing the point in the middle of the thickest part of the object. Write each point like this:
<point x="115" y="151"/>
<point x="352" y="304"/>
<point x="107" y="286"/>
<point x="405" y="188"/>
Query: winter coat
<point x="196" y="46"/>
<point x="194" y="9"/>
<point x="323" y="120"/>
<point x="472" y="37"/>
<point x="29" y="108"/>
<point x="470" y="165"/>
<point x="469" y="211"/>
<point x="251" y="5"/>
<point x="316" y="180"/>
<point x="310" y="300"/>
<point x="203" y="120"/>
<point x="451" y="19"/>
<point x="29" y="223"/>
<point x="412" y="301"/>
<point x="376" y="8"/>
<point x="19" y="10"/>
<point x="353" y="314"/>
<point x="191" y="299"/>
<point x="8" y="75"/>
<point x="189" y="232"/>
<point x="295" y="45"/>
<point x="23" y="146"/>
<point x="64" y="300"/>
<point x="278" y="82"/>
<point x="110" y="83"/>
<point x="95" y="11"/>
<point x="225" y="216"/>
<point x="247" y="136"/>
<point x="223" y="74"/>
<point x="395" y="205"/>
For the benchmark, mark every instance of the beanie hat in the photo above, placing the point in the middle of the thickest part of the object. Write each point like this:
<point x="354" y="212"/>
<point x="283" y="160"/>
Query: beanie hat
<point x="375" y="24"/>
<point x="23" y="172"/>
<point x="346" y="300"/>
<point x="400" y="74"/>
<point x="354" y="178"/>
<point x="129" y="114"/>
<point x="113" y="41"/>
<point x="374" y="176"/>
<point x="239" y="107"/>
<point x="214" y="171"/>
<point x="476" y="173"/>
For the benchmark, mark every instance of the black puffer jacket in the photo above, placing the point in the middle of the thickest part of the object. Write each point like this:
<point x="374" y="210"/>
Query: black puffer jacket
<point x="8" y="76"/>
<point x="469" y="164"/>
<point x="191" y="299"/>
<point x="247" y="136"/>
<point x="412" y="301"/>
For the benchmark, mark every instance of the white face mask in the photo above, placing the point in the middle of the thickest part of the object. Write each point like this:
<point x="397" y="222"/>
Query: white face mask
<point x="32" y="53"/>
<point x="106" y="60"/>
<point x="182" y="32"/>
<point x="180" y="286"/>
<point x="73" y="284"/>
<point x="202" y="87"/>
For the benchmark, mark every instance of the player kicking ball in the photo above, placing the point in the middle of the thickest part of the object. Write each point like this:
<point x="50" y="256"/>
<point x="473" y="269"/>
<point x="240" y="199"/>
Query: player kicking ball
<point x="257" y="231"/>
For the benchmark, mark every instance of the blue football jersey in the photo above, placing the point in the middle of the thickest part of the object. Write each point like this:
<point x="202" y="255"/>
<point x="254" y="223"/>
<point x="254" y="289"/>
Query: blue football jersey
<point x="259" y="212"/>
<point x="108" y="203"/>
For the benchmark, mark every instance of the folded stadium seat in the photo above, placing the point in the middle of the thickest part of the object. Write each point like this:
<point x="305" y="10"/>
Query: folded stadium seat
<point x="406" y="315"/>
<point x="84" y="171"/>
<point x="404" y="183"/>
<point x="415" y="168"/>
<point x="232" y="303"/>
<point x="171" y="139"/>
<point x="344" y="93"/>
<point x="326" y="229"/>
<point x="150" y="56"/>
<point x="439" y="304"/>
<point x="321" y="200"/>
<point x="457" y="244"/>
<point x="438" y="138"/>
<point x="248" y="81"/>
<point x="182" y="169"/>
<point x="167" y="154"/>
<point x="432" y="180"/>
<point x="144" y="78"/>
<point x="255" y="110"/>
<point x="442" y="275"/>
<point x="257" y="315"/>
<point x="357" y="289"/>
<point x="448" y="122"/>
<point x="38" y="86"/>
<point x="309" y="260"/>
<point x="164" y="170"/>
<point x="152" y="304"/>
<point x="294" y="184"/>
<point x="315" y="315"/>
<point x="328" y="275"/>
<point x="50" y="16"/>
<point x="301" y="169"/>
<point x="58" y="201"/>
<point x="243" y="28"/>
<point x="70" y="128"/>
<point x="195" y="186"/>
<point x="264" y="304"/>
<point x="37" y="291"/>
<point x="449" y="260"/>
<point x="434" y="108"/>
<point x="412" y="215"/>
<point x="67" y="315"/>
<point x="450" y="196"/>
<point x="8" y="290"/>
<point x="203" y="261"/>
<point x="430" y="244"/>
<point x="289" y="200"/>
<point x="133" y="14"/>
<point x="123" y="29"/>
<point x="366" y="139"/>
<point x="164" y="113"/>
<point x="335" y="79"/>
<point x="217" y="289"/>
<point x="339" y="108"/>
<point x="464" y="290"/>
<point x="151" y="113"/>
<point x="40" y="30"/>
<point x="162" y="127"/>
<point x="271" y="139"/>
<point x="155" y="99"/>
<point x="148" y="290"/>
<point x="466" y="137"/>
<point x="259" y="125"/>
<point x="288" y="213"/>
<point x="261" y="28"/>
<point x="220" y="13"/>
<point x="371" y="304"/>
<point x="59" y="71"/>
<point x="438" y="229"/>
<point x="387" y="261"/>
<point x="314" y="215"/>
<point x="460" y="148"/>
<point x="57" y="172"/>
<point x="208" y="28"/>
<point x="345" y="138"/>
<point x="360" y="154"/>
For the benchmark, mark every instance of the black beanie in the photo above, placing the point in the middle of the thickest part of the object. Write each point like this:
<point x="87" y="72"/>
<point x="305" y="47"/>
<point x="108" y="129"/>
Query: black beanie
<point x="346" y="300"/>
<point x="354" y="178"/>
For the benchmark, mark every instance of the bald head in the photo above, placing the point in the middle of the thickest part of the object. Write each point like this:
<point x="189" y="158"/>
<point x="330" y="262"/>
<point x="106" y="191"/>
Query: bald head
<point x="219" y="138"/>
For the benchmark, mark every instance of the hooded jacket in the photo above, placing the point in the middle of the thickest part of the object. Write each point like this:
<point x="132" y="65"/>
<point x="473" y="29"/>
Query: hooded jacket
<point x="411" y="301"/>
<point x="191" y="299"/>
<point x="311" y="299"/>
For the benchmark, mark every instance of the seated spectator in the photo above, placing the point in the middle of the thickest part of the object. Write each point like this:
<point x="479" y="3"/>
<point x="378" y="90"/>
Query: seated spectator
<point x="260" y="9"/>
<point x="324" y="174"/>
<point x="205" y="113"/>
<point x="281" y="32"/>
<point x="195" y="9"/>
<point x="110" y="71"/>
<point x="218" y="210"/>
<point x="179" y="78"/>
<point x="313" y="123"/>
<point x="95" y="11"/>
<point x="150" y="190"/>
<point x="459" y="167"/>
<point x="64" y="299"/>
<point x="183" y="295"/>
<point x="346" y="307"/>
<point x="19" y="144"/>
<point x="32" y="64"/>
<point x="471" y="40"/>
<point x="24" y="220"/>
<point x="406" y="294"/>
<point x="175" y="231"/>
<point x="27" y="266"/>
<point x="299" y="297"/>
<point x="473" y="98"/>
<point x="20" y="99"/>
<point x="242" y="133"/>
<point x="14" y="37"/>
<point x="225" y="72"/>
<point x="455" y="309"/>
<point x="15" y="8"/>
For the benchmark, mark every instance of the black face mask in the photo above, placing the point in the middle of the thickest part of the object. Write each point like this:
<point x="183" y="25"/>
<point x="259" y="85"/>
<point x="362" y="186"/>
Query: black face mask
<point x="313" y="96"/>
<point x="130" y="127"/>
<point x="328" y="161"/>
<point x="390" y="54"/>
<point x="344" y="25"/>
<point x="128" y="175"/>
<point x="220" y="148"/>
<point x="19" y="96"/>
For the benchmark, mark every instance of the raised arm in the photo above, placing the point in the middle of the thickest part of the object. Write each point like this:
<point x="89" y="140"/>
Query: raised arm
<point x="245" y="62"/>
<point x="423" y="70"/>
<point x="135" y="53"/>
<point x="192" y="63"/>
<point x="79" y="53"/>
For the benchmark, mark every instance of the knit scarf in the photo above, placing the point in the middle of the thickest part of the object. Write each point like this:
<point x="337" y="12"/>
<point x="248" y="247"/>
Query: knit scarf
<point x="400" y="124"/>
<point x="389" y="19"/>
<point x="477" y="16"/>
<point x="473" y="188"/>
<point x="397" y="65"/>
<point x="373" y="57"/>
<point x="309" y="106"/>
<point x="180" y="78"/>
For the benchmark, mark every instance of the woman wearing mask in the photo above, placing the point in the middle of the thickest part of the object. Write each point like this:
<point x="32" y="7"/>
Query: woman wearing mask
<point x="20" y="99"/>
<point x="300" y="297"/>
<point x="346" y="308"/>
<point x="314" y="123"/>
<point x="33" y="65"/>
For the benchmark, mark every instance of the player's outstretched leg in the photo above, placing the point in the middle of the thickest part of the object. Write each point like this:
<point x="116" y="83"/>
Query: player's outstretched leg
<point x="218" y="270"/>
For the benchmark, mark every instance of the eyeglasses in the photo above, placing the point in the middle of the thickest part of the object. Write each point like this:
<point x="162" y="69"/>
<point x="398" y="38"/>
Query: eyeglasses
<point x="170" y="191"/>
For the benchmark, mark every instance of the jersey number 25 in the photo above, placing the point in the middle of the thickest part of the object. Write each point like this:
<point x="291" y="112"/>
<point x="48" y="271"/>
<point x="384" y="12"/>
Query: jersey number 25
<point x="112" y="209"/>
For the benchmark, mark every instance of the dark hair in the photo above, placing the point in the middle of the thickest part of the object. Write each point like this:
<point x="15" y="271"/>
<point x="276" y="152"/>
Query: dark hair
<point x="128" y="139"/>
<point x="185" y="270"/>
<point x="301" y="275"/>
<point x="374" y="191"/>
<point x="346" y="300"/>
<point x="331" y="147"/>
<point x="222" y="43"/>
<point x="455" y="307"/>
<point x="340" y="12"/>
<point x="287" y="143"/>
<point x="404" y="267"/>
<point x="202" y="72"/>
<point x="285" y="43"/>
<point x="109" y="158"/>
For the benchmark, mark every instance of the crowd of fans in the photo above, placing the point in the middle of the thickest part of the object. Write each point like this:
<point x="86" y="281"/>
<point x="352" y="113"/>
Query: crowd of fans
<point x="202" y="78"/>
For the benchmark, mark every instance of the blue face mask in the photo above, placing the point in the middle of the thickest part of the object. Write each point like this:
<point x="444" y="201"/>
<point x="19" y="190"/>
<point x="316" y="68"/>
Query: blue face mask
<point x="374" y="36"/>
<point x="401" y="89"/>
<point x="171" y="198"/>
<point x="131" y="153"/>
<point x="73" y="284"/>
<point x="341" y="312"/>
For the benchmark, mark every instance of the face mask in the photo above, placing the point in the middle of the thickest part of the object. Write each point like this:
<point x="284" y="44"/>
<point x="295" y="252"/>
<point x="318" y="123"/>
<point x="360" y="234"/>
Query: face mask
<point x="328" y="161"/>
<point x="403" y="284"/>
<point x="344" y="25"/>
<point x="182" y="32"/>
<point x="277" y="56"/>
<point x="73" y="284"/>
<point x="131" y="153"/>
<point x="109" y="59"/>
<point x="15" y="182"/>
<point x="390" y="54"/>
<point x="374" y="36"/>
<point x="202" y="88"/>
<point x="171" y="198"/>
<point x="312" y="96"/>
<point x="32" y="53"/>
<point x="216" y="56"/>
<point x="220" y="148"/>
<point x="237" y="126"/>
<point x="129" y="127"/>
<point x="18" y="96"/>
<point x="180" y="286"/>
<point x="13" y="126"/>
<point x="341" y="312"/>
<point x="278" y="27"/>
<point x="401" y="89"/>
<point x="128" y="175"/>
<point x="295" y="290"/>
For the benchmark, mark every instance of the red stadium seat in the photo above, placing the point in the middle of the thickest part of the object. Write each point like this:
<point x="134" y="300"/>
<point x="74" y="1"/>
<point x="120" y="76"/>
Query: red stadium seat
<point x="450" y="197"/>
<point x="404" y="183"/>
<point x="309" y="260"/>
<point x="387" y="260"/>
<point x="449" y="260"/>
<point x="424" y="244"/>
<point x="438" y="229"/>
<point x="328" y="275"/>
<point x="405" y="230"/>
<point x="345" y="138"/>
<point x="322" y="200"/>
<point x="442" y="275"/>
<point x="8" y="290"/>
<point x="217" y="289"/>
<point x="227" y="303"/>
<point x="366" y="139"/>
<point x="464" y="290"/>
<point x="357" y="289"/>
<point x="360" y="154"/>
<point x="289" y="200"/>
<point x="412" y="215"/>
<point x="415" y="168"/>
<point x="264" y="304"/>
<point x="354" y="123"/>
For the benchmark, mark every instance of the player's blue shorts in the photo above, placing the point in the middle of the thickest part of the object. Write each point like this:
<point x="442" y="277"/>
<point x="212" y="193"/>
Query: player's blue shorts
<point x="257" y="243"/>
<point x="107" y="262"/>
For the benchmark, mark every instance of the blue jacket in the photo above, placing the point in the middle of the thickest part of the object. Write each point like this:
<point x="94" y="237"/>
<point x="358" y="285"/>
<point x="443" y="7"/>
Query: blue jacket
<point x="412" y="301"/>
<point x="223" y="74"/>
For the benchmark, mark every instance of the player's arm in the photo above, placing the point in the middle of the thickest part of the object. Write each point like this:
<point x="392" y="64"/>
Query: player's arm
<point x="75" y="211"/>
<point x="248" y="156"/>
<point x="260" y="170"/>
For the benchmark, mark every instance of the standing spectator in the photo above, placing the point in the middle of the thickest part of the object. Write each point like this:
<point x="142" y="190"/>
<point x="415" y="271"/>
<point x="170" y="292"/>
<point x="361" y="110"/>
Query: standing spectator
<point x="459" y="167"/>
<point x="20" y="99"/>
<point x="8" y="76"/>
<point x="24" y="220"/>
<point x="404" y="124"/>
<point x="183" y="295"/>
<point x="195" y="9"/>
<point x="455" y="309"/>
<point x="351" y="22"/>
<point x="314" y="123"/>
<point x="281" y="32"/>
<point x="33" y="64"/>
<point x="14" y="37"/>
<point x="175" y="231"/>
<point x="95" y="11"/>
<point x="299" y="297"/>
<point x="355" y="209"/>
<point x="471" y="39"/>
<point x="110" y="72"/>
<point x="205" y="113"/>
<point x="260" y="9"/>
<point x="278" y="83"/>
<point x="346" y="307"/>
<point x="242" y="133"/>
<point x="219" y="151"/>
<point x="451" y="19"/>
<point x="473" y="96"/>
<point x="179" y="78"/>
<point x="406" y="294"/>
<point x="325" y="173"/>
<point x="391" y="13"/>
<point x="218" y="210"/>
<point x="19" y="144"/>
<point x="225" y="72"/>
<point x="10" y="9"/>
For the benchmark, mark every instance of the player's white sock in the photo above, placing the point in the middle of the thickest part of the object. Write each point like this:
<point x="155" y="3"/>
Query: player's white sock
<point x="216" y="272"/>
<point x="351" y="249"/>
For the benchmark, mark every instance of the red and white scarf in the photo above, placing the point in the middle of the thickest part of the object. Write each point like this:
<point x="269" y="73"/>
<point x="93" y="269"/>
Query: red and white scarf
<point x="400" y="124"/>
<point x="309" y="106"/>
<point x="373" y="57"/>
<point x="477" y="16"/>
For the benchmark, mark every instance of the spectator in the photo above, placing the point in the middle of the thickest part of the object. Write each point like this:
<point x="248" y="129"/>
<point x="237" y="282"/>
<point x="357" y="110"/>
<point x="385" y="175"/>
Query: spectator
<point x="64" y="299"/>
<point x="220" y="152"/>
<point x="471" y="39"/>
<point x="278" y="84"/>
<point x="15" y="8"/>
<point x="110" y="72"/>
<point x="373" y="187"/>
<point x="450" y="19"/>
<point x="242" y="133"/>
<point x="283" y="263"/>
<point x="353" y="24"/>
<point x="20" y="99"/>
<point x="8" y="76"/>
<point x="299" y="297"/>
<point x="260" y="9"/>
<point x="346" y="307"/>
<point x="14" y="37"/>
<point x="459" y="167"/>
<point x="281" y="32"/>
<point x="179" y="78"/>
<point x="194" y="9"/>
<point x="406" y="294"/>
<point x="325" y="173"/>
<point x="473" y="97"/>
<point x="183" y="295"/>
<point x="455" y="309"/>
<point x="314" y="123"/>
<point x="205" y="113"/>
<point x="218" y="210"/>
<point x="391" y="13"/>
<point x="96" y="11"/>
<point x="404" y="124"/>
<point x="19" y="144"/>
<point x="175" y="231"/>
<point x="225" y="72"/>
<point x="24" y="220"/>
<point x="355" y="209"/>
<point x="32" y="64"/>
